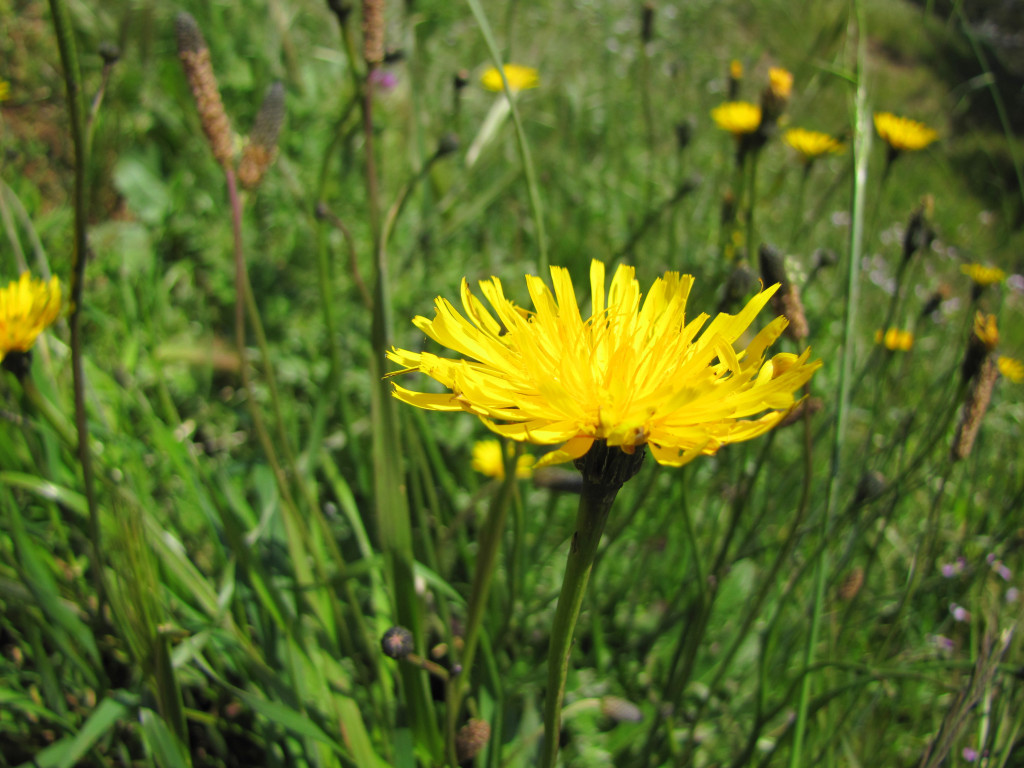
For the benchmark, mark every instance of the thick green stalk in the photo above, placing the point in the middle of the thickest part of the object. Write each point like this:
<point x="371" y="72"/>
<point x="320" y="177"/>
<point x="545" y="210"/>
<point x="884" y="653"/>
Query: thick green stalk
<point x="76" y="113"/>
<point x="604" y="471"/>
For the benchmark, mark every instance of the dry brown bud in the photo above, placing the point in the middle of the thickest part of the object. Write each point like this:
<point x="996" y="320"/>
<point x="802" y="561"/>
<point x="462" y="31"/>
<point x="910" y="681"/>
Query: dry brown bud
<point x="974" y="410"/>
<point x="195" y="58"/>
<point x="810" y="405"/>
<point x="851" y="584"/>
<point x="786" y="300"/>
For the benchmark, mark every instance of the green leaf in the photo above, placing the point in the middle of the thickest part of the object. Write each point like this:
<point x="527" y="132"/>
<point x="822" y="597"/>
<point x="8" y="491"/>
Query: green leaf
<point x="69" y="751"/>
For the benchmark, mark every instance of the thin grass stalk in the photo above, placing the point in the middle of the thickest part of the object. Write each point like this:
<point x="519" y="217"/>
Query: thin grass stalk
<point x="76" y="111"/>
<point x="861" y="152"/>
<point x="533" y="188"/>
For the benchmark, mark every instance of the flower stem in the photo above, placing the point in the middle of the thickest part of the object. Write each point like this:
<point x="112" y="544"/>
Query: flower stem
<point x="604" y="471"/>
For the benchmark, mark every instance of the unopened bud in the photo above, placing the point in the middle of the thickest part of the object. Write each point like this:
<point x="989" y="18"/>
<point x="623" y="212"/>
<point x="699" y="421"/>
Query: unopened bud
<point x="785" y="301"/>
<point x="397" y="643"/>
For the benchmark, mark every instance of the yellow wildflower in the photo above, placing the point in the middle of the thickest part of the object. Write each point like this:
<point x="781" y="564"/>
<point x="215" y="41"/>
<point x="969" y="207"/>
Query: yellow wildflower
<point x="736" y="69"/>
<point x="489" y="461"/>
<point x="519" y="78"/>
<point x="1011" y="368"/>
<point x="5" y="90"/>
<point x="895" y="340"/>
<point x="780" y="83"/>
<point x="632" y="374"/>
<point x="812" y="144"/>
<point x="27" y="307"/>
<point x="982" y="274"/>
<point x="985" y="328"/>
<point x="903" y="134"/>
<point x="737" y="117"/>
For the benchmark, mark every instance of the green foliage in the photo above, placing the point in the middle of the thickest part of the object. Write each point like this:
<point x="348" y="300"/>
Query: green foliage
<point x="265" y="516"/>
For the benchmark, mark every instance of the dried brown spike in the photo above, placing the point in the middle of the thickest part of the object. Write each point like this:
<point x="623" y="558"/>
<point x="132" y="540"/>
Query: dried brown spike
<point x="851" y="584"/>
<point x="373" y="31"/>
<point x="786" y="300"/>
<point x="262" y="147"/>
<point x="471" y="738"/>
<point x="195" y="58"/>
<point x="974" y="410"/>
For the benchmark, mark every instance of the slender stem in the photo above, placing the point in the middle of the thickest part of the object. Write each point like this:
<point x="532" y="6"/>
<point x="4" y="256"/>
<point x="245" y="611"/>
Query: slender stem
<point x="76" y="111"/>
<point x="604" y="471"/>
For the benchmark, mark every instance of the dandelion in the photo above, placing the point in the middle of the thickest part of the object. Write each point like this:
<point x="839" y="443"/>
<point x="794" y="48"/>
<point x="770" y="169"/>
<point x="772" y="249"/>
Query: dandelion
<point x="1011" y="368"/>
<point x="982" y="275"/>
<point x="737" y="117"/>
<point x="895" y="340"/>
<point x="903" y="134"/>
<point x="27" y="307"/>
<point x="630" y="375"/>
<point x="519" y="78"/>
<point x="489" y="460"/>
<point x="812" y="144"/>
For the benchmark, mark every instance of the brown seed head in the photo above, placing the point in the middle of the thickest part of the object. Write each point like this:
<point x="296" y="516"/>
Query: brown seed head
<point x="851" y="584"/>
<point x="195" y="58"/>
<point x="471" y="738"/>
<point x="974" y="410"/>
<point x="373" y="31"/>
<point x="262" y="147"/>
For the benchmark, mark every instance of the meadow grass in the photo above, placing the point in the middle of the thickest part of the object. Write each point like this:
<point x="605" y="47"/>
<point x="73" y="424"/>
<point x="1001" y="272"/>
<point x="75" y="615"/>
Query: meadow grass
<point x="259" y="511"/>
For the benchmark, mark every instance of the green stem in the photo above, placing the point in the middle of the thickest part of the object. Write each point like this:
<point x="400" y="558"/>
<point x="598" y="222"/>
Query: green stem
<point x="76" y="112"/>
<point x="604" y="469"/>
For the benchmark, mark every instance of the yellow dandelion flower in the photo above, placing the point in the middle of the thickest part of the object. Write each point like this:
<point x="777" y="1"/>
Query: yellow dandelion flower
<point x="632" y="374"/>
<point x="5" y="90"/>
<point x="780" y="83"/>
<point x="489" y="461"/>
<point x="895" y="340"/>
<point x="982" y="274"/>
<point x="985" y="328"/>
<point x="519" y="78"/>
<point x="812" y="144"/>
<point x="1011" y="368"/>
<point x="903" y="134"/>
<point x="736" y="69"/>
<point x="737" y="117"/>
<point x="27" y="307"/>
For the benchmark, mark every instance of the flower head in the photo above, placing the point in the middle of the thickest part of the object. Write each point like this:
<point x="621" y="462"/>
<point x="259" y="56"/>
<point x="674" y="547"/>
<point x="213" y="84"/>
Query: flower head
<point x="737" y="117"/>
<point x="780" y="83"/>
<point x="489" y="460"/>
<point x="982" y="274"/>
<point x="27" y="307"/>
<point x="895" y="340"/>
<point x="812" y="144"/>
<point x="634" y="373"/>
<point x="519" y="78"/>
<point x="986" y="329"/>
<point x="903" y="134"/>
<point x="5" y="90"/>
<point x="1011" y="368"/>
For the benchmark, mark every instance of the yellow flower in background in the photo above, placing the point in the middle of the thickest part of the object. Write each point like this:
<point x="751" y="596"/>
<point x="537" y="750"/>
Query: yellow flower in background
<point x="489" y="461"/>
<point x="895" y="340"/>
<point x="1011" y="368"/>
<point x="5" y="90"/>
<point x="982" y="274"/>
<point x="737" y="117"/>
<point x="736" y="69"/>
<point x="519" y="78"/>
<point x="633" y="373"/>
<point x="985" y="328"/>
<point x="903" y="134"/>
<point x="812" y="144"/>
<point x="27" y="307"/>
<point x="780" y="83"/>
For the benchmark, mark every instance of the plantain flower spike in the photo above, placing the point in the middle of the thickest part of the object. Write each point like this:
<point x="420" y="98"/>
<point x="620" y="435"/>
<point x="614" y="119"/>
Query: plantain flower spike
<point x="259" y="153"/>
<point x="195" y="58"/>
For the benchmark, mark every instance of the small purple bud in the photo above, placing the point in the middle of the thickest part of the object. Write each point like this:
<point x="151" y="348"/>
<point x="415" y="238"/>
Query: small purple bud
<point x="1012" y="595"/>
<point x="1004" y="573"/>
<point x="959" y="612"/>
<point x="990" y="558"/>
<point x="949" y="570"/>
<point x="970" y="754"/>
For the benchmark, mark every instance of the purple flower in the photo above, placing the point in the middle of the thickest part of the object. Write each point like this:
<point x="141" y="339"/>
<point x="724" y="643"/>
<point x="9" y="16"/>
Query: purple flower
<point x="1012" y="595"/>
<point x="1004" y="573"/>
<point x="949" y="570"/>
<point x="941" y="642"/>
<point x="384" y="79"/>
<point x="959" y="612"/>
<point x="970" y="754"/>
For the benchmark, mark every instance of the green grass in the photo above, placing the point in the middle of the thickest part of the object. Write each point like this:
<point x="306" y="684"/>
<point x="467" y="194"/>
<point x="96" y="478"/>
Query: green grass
<point x="242" y="607"/>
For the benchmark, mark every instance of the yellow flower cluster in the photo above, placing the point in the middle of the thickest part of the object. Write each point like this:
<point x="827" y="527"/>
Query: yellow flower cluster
<point x="982" y="274"/>
<point x="986" y="329"/>
<point x="489" y="461"/>
<point x="1011" y="368"/>
<point x="633" y="373"/>
<point x="27" y="307"/>
<point x="812" y="144"/>
<point x="903" y="134"/>
<point x="895" y="340"/>
<point x="737" y="117"/>
<point x="519" y="78"/>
